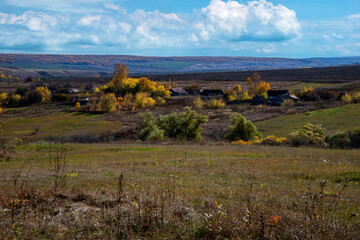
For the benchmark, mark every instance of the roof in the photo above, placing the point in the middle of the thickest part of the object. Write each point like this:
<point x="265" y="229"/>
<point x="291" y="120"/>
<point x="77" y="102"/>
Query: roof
<point x="274" y="93"/>
<point x="178" y="89"/>
<point x="209" y="92"/>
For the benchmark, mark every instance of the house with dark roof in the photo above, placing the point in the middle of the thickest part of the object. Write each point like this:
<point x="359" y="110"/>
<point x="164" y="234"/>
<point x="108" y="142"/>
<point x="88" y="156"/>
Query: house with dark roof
<point x="211" y="93"/>
<point x="275" y="98"/>
<point x="177" y="91"/>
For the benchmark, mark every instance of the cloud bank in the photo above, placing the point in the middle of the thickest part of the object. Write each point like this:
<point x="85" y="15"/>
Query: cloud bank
<point x="106" y="24"/>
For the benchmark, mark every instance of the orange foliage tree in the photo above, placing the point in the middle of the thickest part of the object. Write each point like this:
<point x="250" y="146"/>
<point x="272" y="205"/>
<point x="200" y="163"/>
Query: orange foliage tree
<point x="257" y="86"/>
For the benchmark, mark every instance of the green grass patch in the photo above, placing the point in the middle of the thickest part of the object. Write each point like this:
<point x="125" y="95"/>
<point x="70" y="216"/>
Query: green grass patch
<point x="333" y="119"/>
<point x="344" y="176"/>
<point x="59" y="124"/>
<point x="136" y="149"/>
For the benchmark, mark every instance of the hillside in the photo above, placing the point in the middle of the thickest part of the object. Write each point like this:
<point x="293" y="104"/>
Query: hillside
<point x="21" y="65"/>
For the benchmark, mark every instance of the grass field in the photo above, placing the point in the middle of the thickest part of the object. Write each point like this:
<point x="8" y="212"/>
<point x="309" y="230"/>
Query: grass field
<point x="333" y="119"/>
<point x="56" y="124"/>
<point x="180" y="191"/>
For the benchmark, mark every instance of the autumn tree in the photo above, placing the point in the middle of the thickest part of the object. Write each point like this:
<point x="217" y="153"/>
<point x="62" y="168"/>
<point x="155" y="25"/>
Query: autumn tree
<point x="44" y="92"/>
<point x="257" y="86"/>
<point x="121" y="72"/>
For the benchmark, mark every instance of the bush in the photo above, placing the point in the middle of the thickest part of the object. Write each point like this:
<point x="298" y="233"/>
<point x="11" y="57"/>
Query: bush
<point x="245" y="96"/>
<point x="308" y="94"/>
<point x="150" y="131"/>
<point x="59" y="97"/>
<point x="198" y="103"/>
<point x="44" y="92"/>
<point x="356" y="96"/>
<point x="287" y="103"/>
<point x="215" y="103"/>
<point x="185" y="125"/>
<point x="274" y="141"/>
<point x="104" y="103"/>
<point x="328" y="95"/>
<point x="242" y="129"/>
<point x="355" y="138"/>
<point x="310" y="135"/>
<point x="33" y="97"/>
<point x="3" y="97"/>
<point x="142" y="100"/>
<point x="346" y="98"/>
<point x="14" y="99"/>
<point x="22" y="91"/>
<point x="339" y="140"/>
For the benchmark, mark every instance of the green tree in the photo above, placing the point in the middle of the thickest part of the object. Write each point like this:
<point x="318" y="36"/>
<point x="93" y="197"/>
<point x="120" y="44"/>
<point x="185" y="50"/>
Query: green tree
<point x="184" y="125"/>
<point x="241" y="129"/>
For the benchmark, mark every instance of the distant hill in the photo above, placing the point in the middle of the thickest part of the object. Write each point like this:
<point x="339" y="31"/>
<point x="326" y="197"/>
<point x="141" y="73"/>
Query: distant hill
<point x="37" y="65"/>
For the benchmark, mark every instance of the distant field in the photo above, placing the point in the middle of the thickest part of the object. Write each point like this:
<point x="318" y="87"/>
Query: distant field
<point x="333" y="119"/>
<point x="57" y="124"/>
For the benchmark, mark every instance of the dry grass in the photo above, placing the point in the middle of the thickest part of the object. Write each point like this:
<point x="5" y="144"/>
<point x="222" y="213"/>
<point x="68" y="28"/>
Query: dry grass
<point x="179" y="191"/>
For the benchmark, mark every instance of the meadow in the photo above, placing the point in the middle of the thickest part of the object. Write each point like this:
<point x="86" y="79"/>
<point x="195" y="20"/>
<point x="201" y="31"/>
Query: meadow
<point x="186" y="191"/>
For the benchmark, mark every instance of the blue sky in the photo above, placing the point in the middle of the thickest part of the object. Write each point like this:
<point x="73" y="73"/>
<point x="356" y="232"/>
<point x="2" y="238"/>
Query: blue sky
<point x="259" y="28"/>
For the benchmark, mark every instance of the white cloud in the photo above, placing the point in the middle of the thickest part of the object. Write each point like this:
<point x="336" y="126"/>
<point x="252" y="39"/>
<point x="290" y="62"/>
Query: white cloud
<point x="219" y="25"/>
<point x="258" y="20"/>
<point x="354" y="16"/>
<point x="88" y="20"/>
<point x="35" y="21"/>
<point x="112" y="6"/>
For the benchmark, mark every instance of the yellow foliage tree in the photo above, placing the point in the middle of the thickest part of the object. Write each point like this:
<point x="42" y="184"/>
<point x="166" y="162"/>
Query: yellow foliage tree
<point x="77" y="106"/>
<point x="142" y="100"/>
<point x="44" y="92"/>
<point x="3" y="97"/>
<point x="257" y="86"/>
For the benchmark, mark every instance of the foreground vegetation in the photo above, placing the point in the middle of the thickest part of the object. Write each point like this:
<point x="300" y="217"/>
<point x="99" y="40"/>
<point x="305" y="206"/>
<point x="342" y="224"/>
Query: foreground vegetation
<point x="186" y="191"/>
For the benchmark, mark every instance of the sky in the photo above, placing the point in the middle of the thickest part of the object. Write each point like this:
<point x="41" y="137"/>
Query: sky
<point x="254" y="28"/>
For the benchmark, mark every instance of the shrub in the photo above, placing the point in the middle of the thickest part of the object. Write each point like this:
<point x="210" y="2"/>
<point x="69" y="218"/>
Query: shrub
<point x="308" y="94"/>
<point x="104" y="103"/>
<point x="242" y="129"/>
<point x="142" y="100"/>
<point x="355" y="138"/>
<point x="3" y="97"/>
<point x="14" y="99"/>
<point x="245" y="96"/>
<point x="44" y="92"/>
<point x="33" y="97"/>
<point x="22" y="91"/>
<point x="287" y="103"/>
<point x="129" y="102"/>
<point x="185" y="125"/>
<point x="346" y="98"/>
<point x="241" y="142"/>
<point x="339" y="140"/>
<point x="309" y="135"/>
<point x="150" y="131"/>
<point x="274" y="141"/>
<point x="328" y="95"/>
<point x="198" y="103"/>
<point x="59" y="97"/>
<point x="215" y="103"/>
<point x="356" y="96"/>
